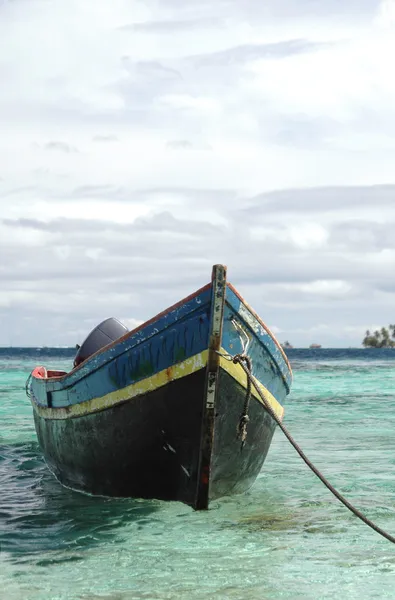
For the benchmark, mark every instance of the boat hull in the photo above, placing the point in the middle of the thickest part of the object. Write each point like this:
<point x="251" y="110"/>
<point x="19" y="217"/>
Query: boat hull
<point x="145" y="447"/>
<point x="236" y="465"/>
<point x="148" y="447"/>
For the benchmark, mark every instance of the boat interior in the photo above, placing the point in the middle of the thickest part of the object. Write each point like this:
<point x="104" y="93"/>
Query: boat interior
<point x="43" y="373"/>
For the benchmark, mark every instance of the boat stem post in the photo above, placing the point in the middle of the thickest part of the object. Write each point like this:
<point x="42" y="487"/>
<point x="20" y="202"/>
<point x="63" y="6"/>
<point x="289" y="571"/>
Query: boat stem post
<point x="218" y="294"/>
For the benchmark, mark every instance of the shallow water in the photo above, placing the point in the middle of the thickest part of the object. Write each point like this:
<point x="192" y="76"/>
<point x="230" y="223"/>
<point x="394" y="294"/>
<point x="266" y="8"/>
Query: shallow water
<point x="287" y="538"/>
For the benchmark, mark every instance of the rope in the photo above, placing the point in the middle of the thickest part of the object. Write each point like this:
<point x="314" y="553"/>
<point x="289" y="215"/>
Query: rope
<point x="244" y="419"/>
<point x="27" y="385"/>
<point x="240" y="359"/>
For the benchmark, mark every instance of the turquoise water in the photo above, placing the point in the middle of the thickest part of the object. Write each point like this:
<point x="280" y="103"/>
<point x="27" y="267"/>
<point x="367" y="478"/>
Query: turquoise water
<point x="288" y="538"/>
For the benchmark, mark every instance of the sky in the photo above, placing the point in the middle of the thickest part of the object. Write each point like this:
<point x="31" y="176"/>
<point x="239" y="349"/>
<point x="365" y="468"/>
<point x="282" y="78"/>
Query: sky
<point x="141" y="142"/>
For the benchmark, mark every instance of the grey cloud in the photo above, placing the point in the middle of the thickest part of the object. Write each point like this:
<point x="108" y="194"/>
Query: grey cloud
<point x="105" y="138"/>
<point x="96" y="191"/>
<point x="362" y="235"/>
<point x="172" y="26"/>
<point x="213" y="75"/>
<point x="146" y="81"/>
<point x="249" y="52"/>
<point x="277" y="9"/>
<point x="216" y="75"/>
<point x="299" y="130"/>
<point x="159" y="222"/>
<point x="131" y="245"/>
<point x="321" y="199"/>
<point x="149" y="69"/>
<point x="201" y="194"/>
<point x="77" y="193"/>
<point x="19" y="190"/>
<point x="60" y="147"/>
<point x="188" y="194"/>
<point x="205" y="197"/>
<point x="124" y="194"/>
<point x="28" y="224"/>
<point x="178" y="241"/>
<point x="179" y="144"/>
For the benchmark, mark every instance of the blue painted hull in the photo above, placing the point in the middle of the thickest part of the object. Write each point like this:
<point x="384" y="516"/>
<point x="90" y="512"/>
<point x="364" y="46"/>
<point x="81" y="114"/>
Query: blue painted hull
<point x="156" y="413"/>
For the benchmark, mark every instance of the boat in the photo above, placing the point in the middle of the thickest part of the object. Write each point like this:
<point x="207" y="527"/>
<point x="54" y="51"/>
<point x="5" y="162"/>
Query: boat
<point x="286" y="346"/>
<point x="162" y="411"/>
<point x="315" y="346"/>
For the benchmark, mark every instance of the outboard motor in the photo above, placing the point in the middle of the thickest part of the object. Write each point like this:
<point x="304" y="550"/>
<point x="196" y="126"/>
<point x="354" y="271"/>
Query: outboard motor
<point x="106" y="332"/>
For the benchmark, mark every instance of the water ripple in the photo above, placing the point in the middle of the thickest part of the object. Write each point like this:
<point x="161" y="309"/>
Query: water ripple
<point x="287" y="538"/>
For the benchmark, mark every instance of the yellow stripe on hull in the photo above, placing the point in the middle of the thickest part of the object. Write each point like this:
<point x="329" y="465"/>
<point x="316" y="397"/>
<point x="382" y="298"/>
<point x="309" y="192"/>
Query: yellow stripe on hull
<point x="158" y="380"/>
<point x="237" y="372"/>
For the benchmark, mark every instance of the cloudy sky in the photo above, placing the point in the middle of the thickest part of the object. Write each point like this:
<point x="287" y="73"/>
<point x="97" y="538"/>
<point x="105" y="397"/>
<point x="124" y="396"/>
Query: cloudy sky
<point x="143" y="141"/>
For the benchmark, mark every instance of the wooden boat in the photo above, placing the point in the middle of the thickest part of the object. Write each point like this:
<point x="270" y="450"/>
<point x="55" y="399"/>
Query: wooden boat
<point x="156" y="413"/>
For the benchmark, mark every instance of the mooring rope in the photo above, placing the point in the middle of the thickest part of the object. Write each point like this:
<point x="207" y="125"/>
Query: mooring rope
<point x="27" y="385"/>
<point x="245" y="419"/>
<point x="241" y="360"/>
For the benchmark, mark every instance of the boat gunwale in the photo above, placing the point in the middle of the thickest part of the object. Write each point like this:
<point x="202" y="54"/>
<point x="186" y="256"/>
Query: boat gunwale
<point x="122" y="339"/>
<point x="266" y="328"/>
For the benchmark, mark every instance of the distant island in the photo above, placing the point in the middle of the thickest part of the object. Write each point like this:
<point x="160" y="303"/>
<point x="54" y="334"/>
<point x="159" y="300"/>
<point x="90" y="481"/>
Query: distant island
<point x="380" y="338"/>
<point x="287" y="346"/>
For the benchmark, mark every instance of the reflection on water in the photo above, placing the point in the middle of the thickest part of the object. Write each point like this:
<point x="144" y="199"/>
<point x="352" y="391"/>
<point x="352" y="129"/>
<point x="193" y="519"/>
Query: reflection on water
<point x="38" y="514"/>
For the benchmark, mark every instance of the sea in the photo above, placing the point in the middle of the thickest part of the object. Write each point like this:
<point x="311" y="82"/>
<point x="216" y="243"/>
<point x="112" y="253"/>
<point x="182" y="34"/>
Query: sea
<point x="286" y="538"/>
